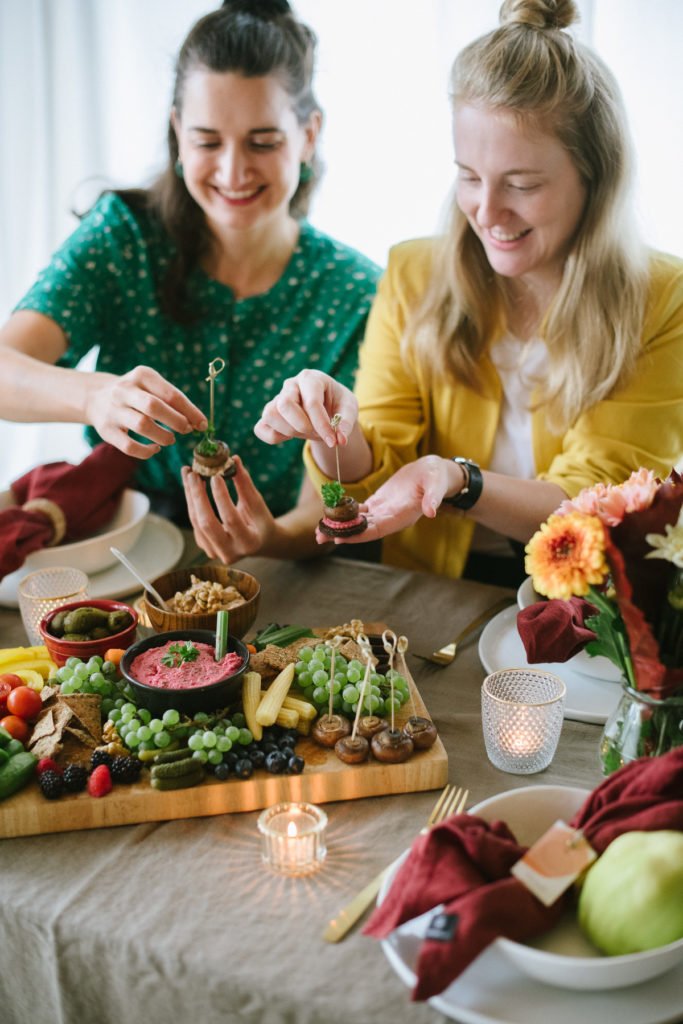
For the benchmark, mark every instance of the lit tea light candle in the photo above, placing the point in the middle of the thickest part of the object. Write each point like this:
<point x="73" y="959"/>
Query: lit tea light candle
<point x="293" y="838"/>
<point x="522" y="735"/>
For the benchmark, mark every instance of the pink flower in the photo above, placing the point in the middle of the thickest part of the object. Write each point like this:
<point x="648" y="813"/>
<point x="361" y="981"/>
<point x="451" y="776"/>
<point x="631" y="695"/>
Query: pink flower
<point x="611" y="502"/>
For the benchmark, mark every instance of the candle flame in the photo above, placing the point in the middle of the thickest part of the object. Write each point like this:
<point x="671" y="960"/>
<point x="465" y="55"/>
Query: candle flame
<point x="291" y="829"/>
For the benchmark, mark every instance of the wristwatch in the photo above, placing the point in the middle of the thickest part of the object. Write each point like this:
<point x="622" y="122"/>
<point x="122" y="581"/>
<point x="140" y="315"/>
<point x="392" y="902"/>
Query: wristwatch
<point x="474" y="484"/>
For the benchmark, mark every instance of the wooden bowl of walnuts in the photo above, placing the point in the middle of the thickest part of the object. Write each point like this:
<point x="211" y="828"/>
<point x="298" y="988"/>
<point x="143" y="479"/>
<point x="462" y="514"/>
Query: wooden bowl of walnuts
<point x="196" y="595"/>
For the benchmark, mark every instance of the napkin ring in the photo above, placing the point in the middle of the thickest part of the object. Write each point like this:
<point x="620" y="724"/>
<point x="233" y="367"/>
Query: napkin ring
<point x="54" y="513"/>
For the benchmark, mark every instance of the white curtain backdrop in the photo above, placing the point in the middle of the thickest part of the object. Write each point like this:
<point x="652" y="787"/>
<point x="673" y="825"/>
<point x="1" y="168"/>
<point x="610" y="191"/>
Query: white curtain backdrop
<point x="84" y="93"/>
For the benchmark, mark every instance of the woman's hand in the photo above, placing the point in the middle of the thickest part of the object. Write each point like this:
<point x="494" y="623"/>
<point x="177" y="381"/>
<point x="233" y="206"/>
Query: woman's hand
<point x="304" y="408"/>
<point x="141" y="401"/>
<point x="244" y="528"/>
<point x="415" y="490"/>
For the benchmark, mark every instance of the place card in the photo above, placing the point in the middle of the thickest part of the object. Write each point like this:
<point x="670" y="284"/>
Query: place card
<point x="554" y="862"/>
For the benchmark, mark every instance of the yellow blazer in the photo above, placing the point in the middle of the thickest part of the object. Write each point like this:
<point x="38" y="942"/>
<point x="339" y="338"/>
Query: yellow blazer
<point x="404" y="416"/>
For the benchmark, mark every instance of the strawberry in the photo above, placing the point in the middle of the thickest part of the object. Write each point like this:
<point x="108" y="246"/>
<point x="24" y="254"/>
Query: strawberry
<point x="48" y="764"/>
<point x="99" y="783"/>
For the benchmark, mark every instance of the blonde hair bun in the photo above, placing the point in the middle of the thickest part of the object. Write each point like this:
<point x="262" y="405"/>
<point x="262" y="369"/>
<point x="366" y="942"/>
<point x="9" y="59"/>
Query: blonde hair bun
<point x="542" y="14"/>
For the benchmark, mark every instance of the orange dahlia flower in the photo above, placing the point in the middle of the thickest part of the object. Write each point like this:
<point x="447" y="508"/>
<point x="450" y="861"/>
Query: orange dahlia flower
<point x="567" y="555"/>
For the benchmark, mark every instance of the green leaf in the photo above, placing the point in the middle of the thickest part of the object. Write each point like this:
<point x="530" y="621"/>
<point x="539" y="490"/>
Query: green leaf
<point x="178" y="654"/>
<point x="332" y="494"/>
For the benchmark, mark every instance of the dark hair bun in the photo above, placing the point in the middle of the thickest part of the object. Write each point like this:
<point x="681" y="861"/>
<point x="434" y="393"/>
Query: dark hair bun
<point x="539" y="13"/>
<point x="263" y="9"/>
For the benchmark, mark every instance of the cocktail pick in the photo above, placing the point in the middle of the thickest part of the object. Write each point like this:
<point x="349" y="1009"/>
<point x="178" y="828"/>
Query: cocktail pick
<point x="366" y="648"/>
<point x="402" y="647"/>
<point x="389" y="642"/>
<point x="335" y="643"/>
<point x="334" y="423"/>
<point x="216" y="366"/>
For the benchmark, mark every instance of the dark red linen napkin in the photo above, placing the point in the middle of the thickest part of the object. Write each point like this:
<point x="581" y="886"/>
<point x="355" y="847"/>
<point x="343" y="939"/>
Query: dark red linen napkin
<point x="464" y="864"/>
<point x="555" y="630"/>
<point x="643" y="796"/>
<point x="87" y="494"/>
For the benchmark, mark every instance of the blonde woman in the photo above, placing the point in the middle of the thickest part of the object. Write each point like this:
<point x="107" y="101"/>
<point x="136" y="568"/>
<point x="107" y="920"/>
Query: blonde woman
<point x="534" y="349"/>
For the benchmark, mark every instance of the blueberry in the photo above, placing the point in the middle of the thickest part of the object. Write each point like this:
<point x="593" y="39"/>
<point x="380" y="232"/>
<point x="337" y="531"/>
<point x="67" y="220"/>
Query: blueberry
<point x="276" y="762"/>
<point x="222" y="771"/>
<point x="244" y="769"/>
<point x="258" y="759"/>
<point x="231" y="758"/>
<point x="269" y="748"/>
<point x="295" y="765"/>
<point x="292" y="735"/>
<point x="287" y="751"/>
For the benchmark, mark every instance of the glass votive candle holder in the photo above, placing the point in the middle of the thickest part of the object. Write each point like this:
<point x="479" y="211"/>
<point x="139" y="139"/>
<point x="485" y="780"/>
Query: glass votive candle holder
<point x="522" y="710"/>
<point x="293" y="838"/>
<point x="45" y="589"/>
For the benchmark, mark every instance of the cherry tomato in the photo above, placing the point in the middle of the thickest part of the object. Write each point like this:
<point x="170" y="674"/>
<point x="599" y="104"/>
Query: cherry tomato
<point x="5" y="690"/>
<point x="25" y="703"/>
<point x="12" y="679"/>
<point x="16" y="727"/>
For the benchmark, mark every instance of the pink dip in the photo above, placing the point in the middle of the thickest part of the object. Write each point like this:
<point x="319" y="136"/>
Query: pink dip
<point x="147" y="668"/>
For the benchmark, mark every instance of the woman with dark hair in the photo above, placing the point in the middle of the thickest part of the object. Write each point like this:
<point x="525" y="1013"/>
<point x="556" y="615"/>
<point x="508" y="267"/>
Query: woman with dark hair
<point x="214" y="262"/>
<point x="534" y="349"/>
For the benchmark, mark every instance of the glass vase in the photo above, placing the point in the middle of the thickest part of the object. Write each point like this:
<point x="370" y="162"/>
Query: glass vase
<point x="640" y="726"/>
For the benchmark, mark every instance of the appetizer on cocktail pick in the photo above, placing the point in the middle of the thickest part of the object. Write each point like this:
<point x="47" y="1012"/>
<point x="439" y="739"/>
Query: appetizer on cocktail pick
<point x="328" y="729"/>
<point x="341" y="517"/>
<point x="391" y="745"/>
<point x="355" y="748"/>
<point x="421" y="730"/>
<point x="210" y="456"/>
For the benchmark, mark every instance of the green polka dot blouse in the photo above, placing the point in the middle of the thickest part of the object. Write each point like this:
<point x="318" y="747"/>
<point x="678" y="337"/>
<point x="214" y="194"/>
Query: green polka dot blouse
<point x="101" y="287"/>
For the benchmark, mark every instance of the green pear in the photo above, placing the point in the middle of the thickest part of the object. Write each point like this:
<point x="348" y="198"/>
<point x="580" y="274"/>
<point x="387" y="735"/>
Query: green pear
<point x="632" y="896"/>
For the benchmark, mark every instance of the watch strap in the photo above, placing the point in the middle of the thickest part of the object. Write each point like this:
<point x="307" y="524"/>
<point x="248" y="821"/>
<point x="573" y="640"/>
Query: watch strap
<point x="474" y="484"/>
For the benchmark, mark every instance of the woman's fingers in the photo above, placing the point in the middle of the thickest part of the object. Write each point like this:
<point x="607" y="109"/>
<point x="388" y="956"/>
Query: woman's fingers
<point x="304" y="408"/>
<point x="158" y="399"/>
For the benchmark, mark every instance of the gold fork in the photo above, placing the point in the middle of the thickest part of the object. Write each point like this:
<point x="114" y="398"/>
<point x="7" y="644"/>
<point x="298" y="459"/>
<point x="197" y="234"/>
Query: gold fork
<point x="445" y="655"/>
<point x="451" y="801"/>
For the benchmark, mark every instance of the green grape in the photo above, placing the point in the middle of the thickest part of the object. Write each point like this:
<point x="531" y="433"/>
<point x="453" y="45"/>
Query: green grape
<point x="201" y="716"/>
<point x="245" y="737"/>
<point x="170" y="717"/>
<point x="196" y="742"/>
<point x="356" y="665"/>
<point x="215" y="756"/>
<point x="388" y="702"/>
<point x="320" y="695"/>
<point x="233" y="733"/>
<point x="132" y="739"/>
<point x="306" y="653"/>
<point x="376" y="691"/>
<point x="346" y="707"/>
<point x="144" y="733"/>
<point x="320" y="678"/>
<point x="161" y="739"/>
<point x="107" y="705"/>
<point x="72" y="662"/>
<point x="321" y="649"/>
<point x="63" y="673"/>
<point x="68" y="687"/>
<point x="305" y="679"/>
<point x="156" y="725"/>
<point x="239" y="720"/>
<point x="145" y="715"/>
<point x="81" y="671"/>
<point x="223" y="744"/>
<point x="350" y="694"/>
<point x="201" y="755"/>
<point x="135" y="724"/>
<point x="181" y="731"/>
<point x="94" y="664"/>
<point x="120" y="702"/>
<point x="209" y="738"/>
<point x="114" y="715"/>
<point x="376" y="679"/>
<point x="316" y="666"/>
<point x="300" y="667"/>
<point x="109" y="668"/>
<point x="129" y="708"/>
<point x="337" y="701"/>
<point x="123" y="729"/>
<point x="147" y="745"/>
<point x="335" y="685"/>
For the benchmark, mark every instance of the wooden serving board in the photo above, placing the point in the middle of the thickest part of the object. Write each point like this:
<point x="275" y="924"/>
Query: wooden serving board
<point x="324" y="779"/>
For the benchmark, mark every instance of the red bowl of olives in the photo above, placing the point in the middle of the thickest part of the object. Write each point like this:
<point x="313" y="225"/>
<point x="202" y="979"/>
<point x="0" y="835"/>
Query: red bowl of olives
<point x="88" y="627"/>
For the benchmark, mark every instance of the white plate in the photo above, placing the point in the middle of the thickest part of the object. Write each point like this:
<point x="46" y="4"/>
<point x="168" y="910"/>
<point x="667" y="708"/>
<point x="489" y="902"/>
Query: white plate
<point x="91" y="554"/>
<point x="493" y="991"/>
<point x="157" y="550"/>
<point x="599" y="667"/>
<point x="588" y="699"/>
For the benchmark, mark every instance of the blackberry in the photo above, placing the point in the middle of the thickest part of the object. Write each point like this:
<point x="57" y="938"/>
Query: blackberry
<point x="125" y="769"/>
<point x="99" y="757"/>
<point x="75" y="777"/>
<point x="51" y="784"/>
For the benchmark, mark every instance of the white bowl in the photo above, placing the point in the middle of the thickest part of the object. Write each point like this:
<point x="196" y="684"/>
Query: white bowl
<point x="599" y="667"/>
<point x="92" y="554"/>
<point x="564" y="956"/>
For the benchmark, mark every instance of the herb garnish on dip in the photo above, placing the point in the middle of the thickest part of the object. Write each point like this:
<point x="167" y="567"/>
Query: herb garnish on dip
<point x="174" y="666"/>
